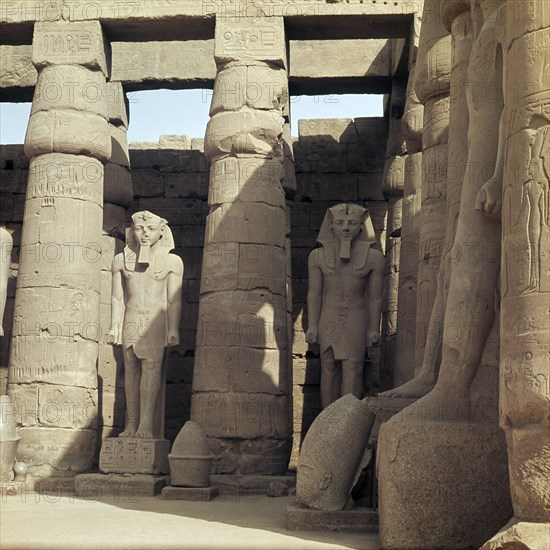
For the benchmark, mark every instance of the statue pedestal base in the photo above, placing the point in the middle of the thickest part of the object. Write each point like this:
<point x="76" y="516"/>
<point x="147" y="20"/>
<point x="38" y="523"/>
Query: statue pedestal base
<point x="121" y="488"/>
<point x="441" y="484"/>
<point x="358" y="520"/>
<point x="132" y="455"/>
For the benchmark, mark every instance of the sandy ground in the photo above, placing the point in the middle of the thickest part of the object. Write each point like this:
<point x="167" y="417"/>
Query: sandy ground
<point x="229" y="522"/>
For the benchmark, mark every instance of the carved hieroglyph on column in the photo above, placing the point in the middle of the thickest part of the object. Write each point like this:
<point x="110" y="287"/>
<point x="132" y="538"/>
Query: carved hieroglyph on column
<point x="525" y="281"/>
<point x="52" y="375"/>
<point x="425" y="450"/>
<point x="240" y="380"/>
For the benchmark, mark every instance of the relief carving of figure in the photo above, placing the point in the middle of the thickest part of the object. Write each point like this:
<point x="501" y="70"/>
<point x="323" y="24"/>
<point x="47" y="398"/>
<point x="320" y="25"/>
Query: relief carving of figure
<point x="344" y="299"/>
<point x="535" y="203"/>
<point x="146" y="310"/>
<point x="6" y="243"/>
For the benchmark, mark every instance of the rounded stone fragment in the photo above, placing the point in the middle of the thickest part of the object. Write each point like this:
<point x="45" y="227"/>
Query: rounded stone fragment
<point x="191" y="457"/>
<point x="332" y="453"/>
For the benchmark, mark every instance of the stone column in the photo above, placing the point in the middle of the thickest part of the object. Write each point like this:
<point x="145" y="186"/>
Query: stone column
<point x="118" y="197"/>
<point x="52" y="374"/>
<point x="241" y="378"/>
<point x="392" y="187"/>
<point x="525" y="275"/>
<point x="412" y="123"/>
<point x="432" y="86"/>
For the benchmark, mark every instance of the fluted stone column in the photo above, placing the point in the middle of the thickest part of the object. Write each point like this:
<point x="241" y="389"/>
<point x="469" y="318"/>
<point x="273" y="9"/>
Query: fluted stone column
<point x="525" y="276"/>
<point x="432" y="86"/>
<point x="392" y="187"/>
<point x="52" y="374"/>
<point x="241" y="378"/>
<point x="412" y="122"/>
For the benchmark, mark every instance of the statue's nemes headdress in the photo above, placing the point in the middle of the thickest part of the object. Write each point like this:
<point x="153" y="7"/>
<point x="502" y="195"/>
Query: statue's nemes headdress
<point x="165" y="243"/>
<point x="365" y="239"/>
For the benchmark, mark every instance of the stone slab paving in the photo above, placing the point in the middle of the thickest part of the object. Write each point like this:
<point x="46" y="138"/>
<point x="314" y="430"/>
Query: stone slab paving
<point x="40" y="521"/>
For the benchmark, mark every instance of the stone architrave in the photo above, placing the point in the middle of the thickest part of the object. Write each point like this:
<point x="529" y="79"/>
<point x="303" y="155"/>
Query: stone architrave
<point x="344" y="299"/>
<point x="452" y="429"/>
<point x="525" y="274"/>
<point x="241" y="377"/>
<point x="6" y="243"/>
<point x="145" y="316"/>
<point x="52" y="375"/>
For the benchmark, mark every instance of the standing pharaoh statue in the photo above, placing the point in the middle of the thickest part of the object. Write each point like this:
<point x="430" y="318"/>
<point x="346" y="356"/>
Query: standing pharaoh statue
<point x="344" y="299"/>
<point x="6" y="243"/>
<point x="146" y="310"/>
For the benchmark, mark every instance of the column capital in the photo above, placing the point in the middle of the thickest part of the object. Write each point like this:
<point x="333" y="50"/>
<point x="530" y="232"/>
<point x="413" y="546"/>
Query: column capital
<point x="239" y="39"/>
<point x="68" y="43"/>
<point x="451" y="9"/>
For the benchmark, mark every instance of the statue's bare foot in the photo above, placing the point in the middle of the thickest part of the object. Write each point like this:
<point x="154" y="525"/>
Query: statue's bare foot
<point x="144" y="432"/>
<point x="415" y="388"/>
<point x="130" y="431"/>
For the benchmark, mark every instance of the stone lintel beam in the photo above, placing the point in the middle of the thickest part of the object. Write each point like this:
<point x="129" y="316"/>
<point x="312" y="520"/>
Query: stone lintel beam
<point x="146" y="20"/>
<point x="318" y="67"/>
<point x="193" y="16"/>
<point x="315" y="66"/>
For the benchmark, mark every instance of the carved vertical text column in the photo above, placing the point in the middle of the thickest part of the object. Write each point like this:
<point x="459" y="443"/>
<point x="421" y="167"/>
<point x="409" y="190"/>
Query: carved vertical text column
<point x="240" y="381"/>
<point x="52" y="374"/>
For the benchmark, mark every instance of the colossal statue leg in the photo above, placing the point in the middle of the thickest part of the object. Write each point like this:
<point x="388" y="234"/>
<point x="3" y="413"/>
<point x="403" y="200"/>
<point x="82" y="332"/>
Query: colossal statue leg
<point x="425" y="450"/>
